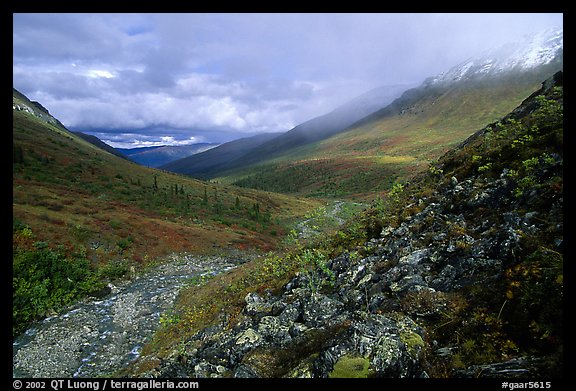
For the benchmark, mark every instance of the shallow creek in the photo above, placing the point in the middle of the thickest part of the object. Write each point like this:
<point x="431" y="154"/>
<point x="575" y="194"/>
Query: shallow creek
<point x="99" y="336"/>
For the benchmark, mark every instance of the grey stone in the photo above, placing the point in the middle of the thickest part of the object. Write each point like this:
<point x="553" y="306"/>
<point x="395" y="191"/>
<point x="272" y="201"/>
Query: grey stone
<point x="521" y="367"/>
<point x="320" y="309"/>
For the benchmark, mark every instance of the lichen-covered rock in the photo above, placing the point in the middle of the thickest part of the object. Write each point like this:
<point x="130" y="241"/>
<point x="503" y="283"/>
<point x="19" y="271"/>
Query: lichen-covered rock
<point x="274" y="330"/>
<point x="320" y="309"/>
<point x="256" y="306"/>
<point x="350" y="367"/>
<point x="248" y="337"/>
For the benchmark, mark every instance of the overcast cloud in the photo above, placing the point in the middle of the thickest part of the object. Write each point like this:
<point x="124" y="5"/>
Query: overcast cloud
<point x="146" y="79"/>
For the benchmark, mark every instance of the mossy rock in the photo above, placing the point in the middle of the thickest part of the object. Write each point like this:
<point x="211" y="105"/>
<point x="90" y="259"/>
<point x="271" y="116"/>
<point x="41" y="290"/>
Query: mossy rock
<point x="350" y="367"/>
<point x="413" y="341"/>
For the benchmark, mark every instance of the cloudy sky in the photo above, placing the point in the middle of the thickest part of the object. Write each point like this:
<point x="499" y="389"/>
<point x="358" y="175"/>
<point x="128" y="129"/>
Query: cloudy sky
<point x="148" y="79"/>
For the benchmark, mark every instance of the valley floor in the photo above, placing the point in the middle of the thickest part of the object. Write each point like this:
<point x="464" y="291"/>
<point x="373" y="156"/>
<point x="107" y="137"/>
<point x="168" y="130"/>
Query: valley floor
<point x="102" y="335"/>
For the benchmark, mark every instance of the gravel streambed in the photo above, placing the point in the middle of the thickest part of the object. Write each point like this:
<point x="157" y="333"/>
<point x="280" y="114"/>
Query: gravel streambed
<point x="98" y="336"/>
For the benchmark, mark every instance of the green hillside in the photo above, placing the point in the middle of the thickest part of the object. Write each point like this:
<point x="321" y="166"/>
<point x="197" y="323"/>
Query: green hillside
<point x="391" y="144"/>
<point x="75" y="204"/>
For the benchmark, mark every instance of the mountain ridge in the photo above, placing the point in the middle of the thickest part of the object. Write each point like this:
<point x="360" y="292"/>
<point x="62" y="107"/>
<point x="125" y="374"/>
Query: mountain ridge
<point x="21" y="103"/>
<point x="100" y="144"/>
<point x="532" y="51"/>
<point x="431" y="118"/>
<point x="315" y="129"/>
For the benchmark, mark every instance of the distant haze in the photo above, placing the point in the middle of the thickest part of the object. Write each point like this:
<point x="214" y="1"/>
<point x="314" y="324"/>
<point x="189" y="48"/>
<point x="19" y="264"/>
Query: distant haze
<point x="137" y="80"/>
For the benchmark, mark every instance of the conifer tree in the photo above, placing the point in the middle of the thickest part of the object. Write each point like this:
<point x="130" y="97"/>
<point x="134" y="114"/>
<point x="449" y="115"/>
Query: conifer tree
<point x="17" y="153"/>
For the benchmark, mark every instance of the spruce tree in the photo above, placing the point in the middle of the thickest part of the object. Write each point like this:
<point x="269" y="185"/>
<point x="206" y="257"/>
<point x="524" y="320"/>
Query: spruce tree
<point x="17" y="154"/>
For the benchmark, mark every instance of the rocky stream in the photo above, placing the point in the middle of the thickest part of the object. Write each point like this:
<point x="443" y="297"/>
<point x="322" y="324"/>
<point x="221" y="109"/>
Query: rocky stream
<point x="99" y="336"/>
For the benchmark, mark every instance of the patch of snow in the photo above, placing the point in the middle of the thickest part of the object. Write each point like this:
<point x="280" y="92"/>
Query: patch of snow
<point x="534" y="50"/>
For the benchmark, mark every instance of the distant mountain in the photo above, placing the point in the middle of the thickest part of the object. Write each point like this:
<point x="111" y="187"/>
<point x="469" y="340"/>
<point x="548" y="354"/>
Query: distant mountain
<point x="202" y="165"/>
<point x="135" y="151"/>
<point x="100" y="144"/>
<point x="246" y="152"/>
<point x="164" y="154"/>
<point x="403" y="137"/>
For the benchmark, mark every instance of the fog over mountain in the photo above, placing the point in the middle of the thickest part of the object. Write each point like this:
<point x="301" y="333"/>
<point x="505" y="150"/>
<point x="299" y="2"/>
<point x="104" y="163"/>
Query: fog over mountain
<point x="511" y="67"/>
<point x="532" y="51"/>
<point x="137" y="80"/>
<point x="382" y="196"/>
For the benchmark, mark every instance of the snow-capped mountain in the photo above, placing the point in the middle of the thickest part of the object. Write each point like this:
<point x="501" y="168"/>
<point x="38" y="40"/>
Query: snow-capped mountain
<point x="534" y="50"/>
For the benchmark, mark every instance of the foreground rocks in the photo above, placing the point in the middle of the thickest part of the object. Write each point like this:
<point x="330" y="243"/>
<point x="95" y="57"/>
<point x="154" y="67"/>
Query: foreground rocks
<point x="370" y="314"/>
<point x="302" y="335"/>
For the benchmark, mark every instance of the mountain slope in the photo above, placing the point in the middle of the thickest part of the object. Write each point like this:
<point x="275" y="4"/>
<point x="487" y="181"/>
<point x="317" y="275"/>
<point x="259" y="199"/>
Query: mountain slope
<point x="320" y="128"/>
<point x="406" y="135"/>
<point x="401" y="140"/>
<point x="75" y="204"/>
<point x="457" y="273"/>
<point x="308" y="132"/>
<point x="21" y="103"/>
<point x="158" y="156"/>
<point x="100" y="144"/>
<point x="204" y="164"/>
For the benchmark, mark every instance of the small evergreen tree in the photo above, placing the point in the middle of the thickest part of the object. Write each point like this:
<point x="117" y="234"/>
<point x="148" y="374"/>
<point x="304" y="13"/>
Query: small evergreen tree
<point x="17" y="153"/>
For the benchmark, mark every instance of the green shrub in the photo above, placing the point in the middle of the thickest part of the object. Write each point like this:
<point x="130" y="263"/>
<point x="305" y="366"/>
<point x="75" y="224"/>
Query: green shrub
<point x="45" y="281"/>
<point x="113" y="270"/>
<point x="314" y="263"/>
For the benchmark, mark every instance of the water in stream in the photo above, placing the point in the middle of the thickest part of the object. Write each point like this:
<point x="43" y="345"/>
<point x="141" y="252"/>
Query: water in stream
<point x="100" y="336"/>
